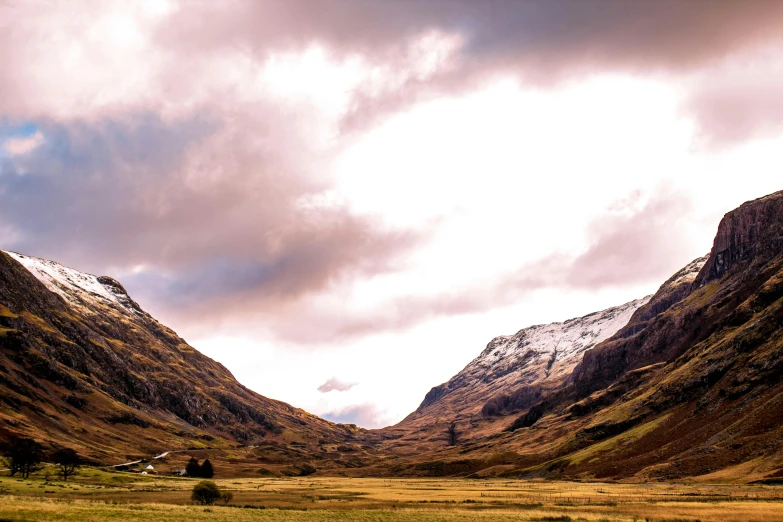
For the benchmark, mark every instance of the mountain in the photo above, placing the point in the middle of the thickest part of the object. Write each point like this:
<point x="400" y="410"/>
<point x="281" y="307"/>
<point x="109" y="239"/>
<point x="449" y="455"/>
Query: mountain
<point x="83" y="366"/>
<point x="512" y="373"/>
<point x="687" y="383"/>
<point x="691" y="386"/>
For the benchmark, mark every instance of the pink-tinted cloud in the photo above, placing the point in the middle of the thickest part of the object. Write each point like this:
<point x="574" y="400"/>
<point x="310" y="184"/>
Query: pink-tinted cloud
<point x="364" y="415"/>
<point x="538" y="40"/>
<point x="630" y="245"/>
<point x="168" y="152"/>
<point x="738" y="99"/>
<point x="335" y="384"/>
<point x="634" y="243"/>
<point x="222" y="228"/>
<point x="543" y="34"/>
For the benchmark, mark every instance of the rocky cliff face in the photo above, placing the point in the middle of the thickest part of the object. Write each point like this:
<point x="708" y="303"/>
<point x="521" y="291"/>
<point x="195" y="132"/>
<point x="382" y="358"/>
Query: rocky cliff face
<point x="692" y="385"/>
<point x="82" y="364"/>
<point x="748" y="239"/>
<point x="753" y="233"/>
<point x="634" y="345"/>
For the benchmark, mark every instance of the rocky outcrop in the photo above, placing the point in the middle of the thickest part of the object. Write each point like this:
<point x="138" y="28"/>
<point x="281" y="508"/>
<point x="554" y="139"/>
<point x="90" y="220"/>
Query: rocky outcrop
<point x="692" y="385"/>
<point x="751" y="233"/>
<point x="747" y="239"/>
<point x="649" y="337"/>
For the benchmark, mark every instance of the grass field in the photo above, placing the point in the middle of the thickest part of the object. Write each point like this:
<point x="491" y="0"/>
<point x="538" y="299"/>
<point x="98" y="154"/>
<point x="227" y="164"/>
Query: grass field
<point x="98" y="495"/>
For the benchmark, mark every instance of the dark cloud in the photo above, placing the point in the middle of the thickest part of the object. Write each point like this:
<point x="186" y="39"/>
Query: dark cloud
<point x="335" y="384"/>
<point x="540" y="33"/>
<point x="205" y="216"/>
<point x="86" y="180"/>
<point x="540" y="41"/>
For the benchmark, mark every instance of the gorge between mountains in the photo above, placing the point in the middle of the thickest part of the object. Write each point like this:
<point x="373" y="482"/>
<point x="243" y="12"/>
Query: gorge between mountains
<point x="684" y="383"/>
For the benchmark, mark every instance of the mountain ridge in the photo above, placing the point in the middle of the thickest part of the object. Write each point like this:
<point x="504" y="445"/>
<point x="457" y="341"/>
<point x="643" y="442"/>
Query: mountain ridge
<point x="83" y="366"/>
<point x="684" y="384"/>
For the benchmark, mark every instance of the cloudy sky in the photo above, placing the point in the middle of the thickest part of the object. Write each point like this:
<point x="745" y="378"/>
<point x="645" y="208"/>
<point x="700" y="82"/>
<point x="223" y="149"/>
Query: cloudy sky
<point x="343" y="201"/>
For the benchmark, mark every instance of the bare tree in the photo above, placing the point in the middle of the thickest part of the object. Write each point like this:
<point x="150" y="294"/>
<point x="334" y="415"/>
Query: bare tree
<point x="67" y="460"/>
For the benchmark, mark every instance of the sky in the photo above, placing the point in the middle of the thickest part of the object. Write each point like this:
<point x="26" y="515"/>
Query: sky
<point x="344" y="201"/>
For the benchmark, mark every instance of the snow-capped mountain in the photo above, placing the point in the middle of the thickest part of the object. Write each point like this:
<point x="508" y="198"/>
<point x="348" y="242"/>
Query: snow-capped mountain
<point x="531" y="356"/>
<point x="82" y="365"/>
<point x="514" y="370"/>
<point x="87" y="292"/>
<point x="545" y="351"/>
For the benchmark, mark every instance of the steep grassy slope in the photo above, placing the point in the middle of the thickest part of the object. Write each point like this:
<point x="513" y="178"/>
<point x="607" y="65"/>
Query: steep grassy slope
<point x="81" y="365"/>
<point x="713" y="398"/>
<point x="692" y="386"/>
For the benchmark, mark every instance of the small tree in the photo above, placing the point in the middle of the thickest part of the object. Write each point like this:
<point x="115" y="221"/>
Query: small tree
<point x="226" y="497"/>
<point x="206" y="469"/>
<point x="205" y="493"/>
<point x="453" y="434"/>
<point x="193" y="469"/>
<point x="67" y="460"/>
<point x="24" y="455"/>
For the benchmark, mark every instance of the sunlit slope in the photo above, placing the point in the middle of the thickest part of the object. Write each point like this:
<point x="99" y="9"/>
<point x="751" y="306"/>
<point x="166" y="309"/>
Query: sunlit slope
<point x="82" y="365"/>
<point x="692" y="386"/>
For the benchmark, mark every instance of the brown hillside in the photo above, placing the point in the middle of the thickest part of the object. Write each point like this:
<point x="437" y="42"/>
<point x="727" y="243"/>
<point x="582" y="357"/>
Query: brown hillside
<point x="692" y="386"/>
<point x="100" y="375"/>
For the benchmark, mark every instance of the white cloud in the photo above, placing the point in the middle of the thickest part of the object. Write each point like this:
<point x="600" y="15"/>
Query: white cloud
<point x="335" y="384"/>
<point x="16" y="146"/>
<point x="495" y="174"/>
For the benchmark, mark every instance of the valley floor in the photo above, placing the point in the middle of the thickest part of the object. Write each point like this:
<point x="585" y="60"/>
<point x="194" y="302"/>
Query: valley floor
<point x="96" y="495"/>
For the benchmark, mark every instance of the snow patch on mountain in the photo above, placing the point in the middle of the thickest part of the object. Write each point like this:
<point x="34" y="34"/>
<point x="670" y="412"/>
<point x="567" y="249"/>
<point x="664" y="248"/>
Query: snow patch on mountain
<point x="555" y="343"/>
<point x="689" y="272"/>
<point x="77" y="288"/>
<point x="540" y="355"/>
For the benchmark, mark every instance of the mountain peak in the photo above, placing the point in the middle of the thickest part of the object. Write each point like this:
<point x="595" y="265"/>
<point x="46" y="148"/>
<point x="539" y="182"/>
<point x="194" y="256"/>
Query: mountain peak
<point x="752" y="232"/>
<point x="76" y="343"/>
<point x="537" y="356"/>
<point x="85" y="291"/>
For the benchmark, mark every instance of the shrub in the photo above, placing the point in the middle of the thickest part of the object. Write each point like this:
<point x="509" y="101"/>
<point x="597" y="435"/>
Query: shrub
<point x="206" y="493"/>
<point x="226" y="497"/>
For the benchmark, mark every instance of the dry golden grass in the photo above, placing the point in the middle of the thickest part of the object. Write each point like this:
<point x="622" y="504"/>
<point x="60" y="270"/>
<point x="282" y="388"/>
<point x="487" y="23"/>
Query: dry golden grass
<point x="99" y="495"/>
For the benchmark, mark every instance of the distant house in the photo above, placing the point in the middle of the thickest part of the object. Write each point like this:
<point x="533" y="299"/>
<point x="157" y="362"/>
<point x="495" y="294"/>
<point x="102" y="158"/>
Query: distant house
<point x="149" y="468"/>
